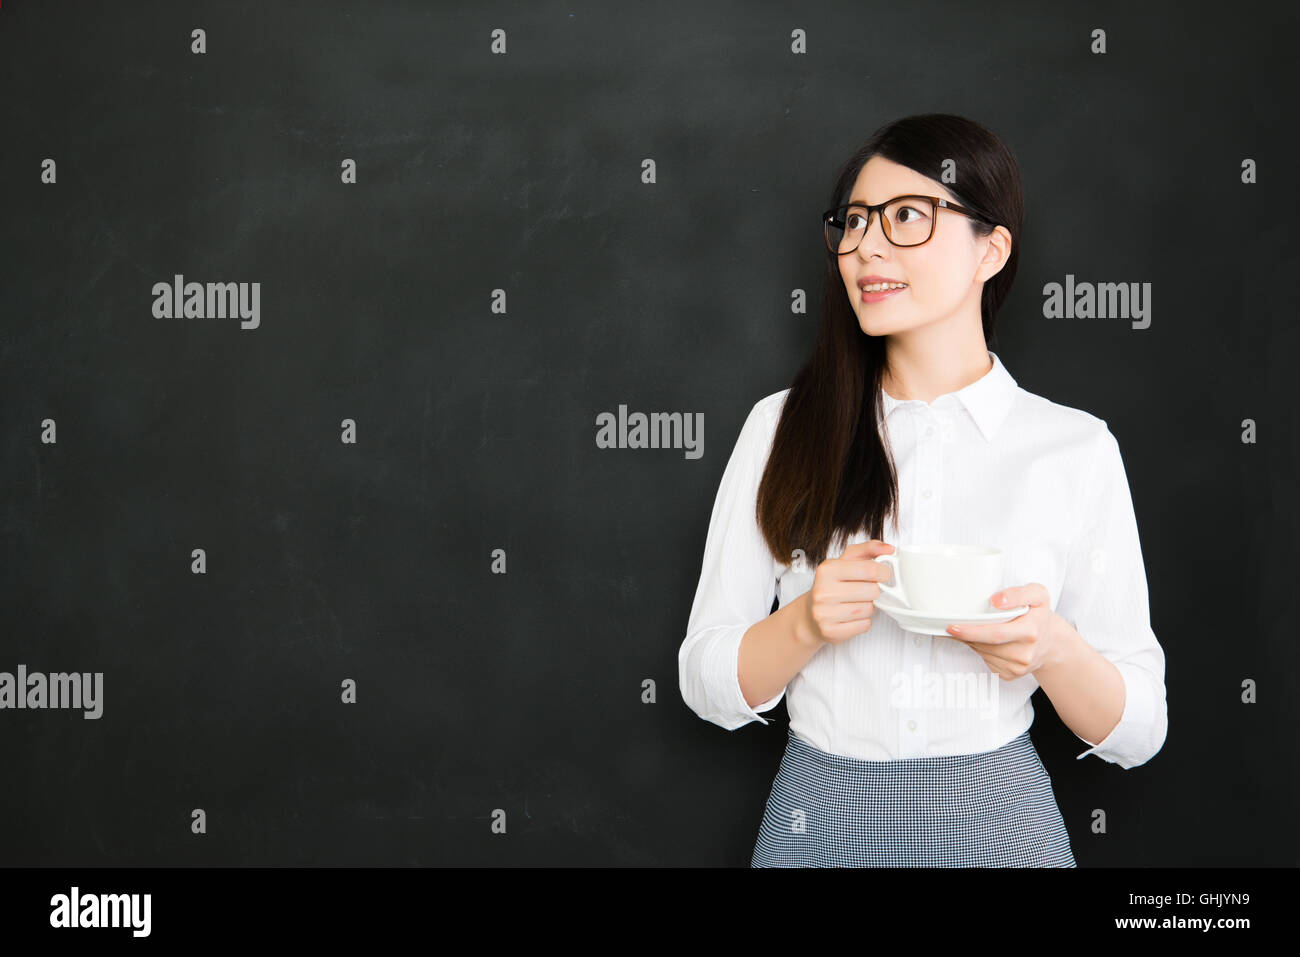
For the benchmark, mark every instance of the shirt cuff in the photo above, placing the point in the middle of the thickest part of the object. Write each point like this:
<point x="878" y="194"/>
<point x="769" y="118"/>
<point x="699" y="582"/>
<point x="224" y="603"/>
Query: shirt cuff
<point x="721" y="674"/>
<point x="1128" y="742"/>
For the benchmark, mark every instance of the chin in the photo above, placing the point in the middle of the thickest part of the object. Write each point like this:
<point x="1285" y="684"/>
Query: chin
<point x="879" y="327"/>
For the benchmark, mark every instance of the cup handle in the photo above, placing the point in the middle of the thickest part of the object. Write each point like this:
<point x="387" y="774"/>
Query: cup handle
<point x="893" y="591"/>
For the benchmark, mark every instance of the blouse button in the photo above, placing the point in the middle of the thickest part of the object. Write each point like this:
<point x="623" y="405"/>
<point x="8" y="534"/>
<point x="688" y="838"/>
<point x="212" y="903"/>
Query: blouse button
<point x="925" y="494"/>
<point x="911" y="726"/>
<point x="929" y="431"/>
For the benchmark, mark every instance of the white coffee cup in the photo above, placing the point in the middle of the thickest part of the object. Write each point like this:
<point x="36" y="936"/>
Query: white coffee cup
<point x="944" y="579"/>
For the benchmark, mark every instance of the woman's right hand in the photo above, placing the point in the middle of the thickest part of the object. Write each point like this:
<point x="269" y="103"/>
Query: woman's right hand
<point x="841" y="601"/>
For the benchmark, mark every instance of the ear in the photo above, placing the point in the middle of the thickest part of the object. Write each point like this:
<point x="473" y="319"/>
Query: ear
<point x="996" y="253"/>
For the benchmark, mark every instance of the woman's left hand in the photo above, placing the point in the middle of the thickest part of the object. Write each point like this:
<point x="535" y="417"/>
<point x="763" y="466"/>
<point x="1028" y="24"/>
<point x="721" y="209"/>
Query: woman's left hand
<point x="1015" y="648"/>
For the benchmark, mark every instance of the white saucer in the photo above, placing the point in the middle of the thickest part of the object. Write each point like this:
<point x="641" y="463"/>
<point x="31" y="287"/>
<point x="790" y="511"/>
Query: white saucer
<point x="929" y="623"/>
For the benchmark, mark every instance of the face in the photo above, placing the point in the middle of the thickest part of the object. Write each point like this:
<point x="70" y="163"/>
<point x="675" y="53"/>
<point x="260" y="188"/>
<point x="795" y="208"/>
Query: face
<point x="944" y="276"/>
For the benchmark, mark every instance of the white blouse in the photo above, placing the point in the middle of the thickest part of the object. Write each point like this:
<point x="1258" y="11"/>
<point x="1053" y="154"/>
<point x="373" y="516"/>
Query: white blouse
<point x="988" y="464"/>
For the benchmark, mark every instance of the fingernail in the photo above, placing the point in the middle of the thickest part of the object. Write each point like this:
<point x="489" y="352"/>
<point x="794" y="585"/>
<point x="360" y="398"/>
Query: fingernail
<point x="954" y="629"/>
<point x="999" y="599"/>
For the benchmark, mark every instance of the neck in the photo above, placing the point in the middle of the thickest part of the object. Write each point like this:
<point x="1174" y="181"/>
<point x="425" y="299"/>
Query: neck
<point x="926" y="378"/>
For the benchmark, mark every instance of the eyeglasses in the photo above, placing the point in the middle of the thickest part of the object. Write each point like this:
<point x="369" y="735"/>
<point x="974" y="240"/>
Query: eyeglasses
<point x="907" y="221"/>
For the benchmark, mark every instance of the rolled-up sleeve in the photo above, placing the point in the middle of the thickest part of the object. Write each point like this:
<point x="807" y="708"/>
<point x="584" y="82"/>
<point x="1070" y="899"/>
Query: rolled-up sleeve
<point x="1105" y="598"/>
<point x="736" y="588"/>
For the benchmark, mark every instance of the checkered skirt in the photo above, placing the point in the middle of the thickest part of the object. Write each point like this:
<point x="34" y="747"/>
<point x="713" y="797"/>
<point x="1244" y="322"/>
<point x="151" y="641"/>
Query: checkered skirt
<point x="990" y="809"/>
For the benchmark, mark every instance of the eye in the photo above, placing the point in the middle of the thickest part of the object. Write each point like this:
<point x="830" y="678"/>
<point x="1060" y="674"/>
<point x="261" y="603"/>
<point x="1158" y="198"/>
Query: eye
<point x="901" y="216"/>
<point x="853" y="220"/>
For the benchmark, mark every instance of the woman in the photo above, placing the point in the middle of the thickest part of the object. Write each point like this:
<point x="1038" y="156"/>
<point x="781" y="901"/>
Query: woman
<point x="904" y="427"/>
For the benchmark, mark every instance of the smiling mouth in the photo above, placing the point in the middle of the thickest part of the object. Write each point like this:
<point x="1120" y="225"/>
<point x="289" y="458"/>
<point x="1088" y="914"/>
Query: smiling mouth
<point x="881" y="294"/>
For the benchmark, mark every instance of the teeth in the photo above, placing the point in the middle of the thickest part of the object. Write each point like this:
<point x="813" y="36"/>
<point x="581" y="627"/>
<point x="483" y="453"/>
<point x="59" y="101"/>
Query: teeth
<point x="882" y="286"/>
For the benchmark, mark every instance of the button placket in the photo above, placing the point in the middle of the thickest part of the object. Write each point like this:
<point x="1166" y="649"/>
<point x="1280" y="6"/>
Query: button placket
<point x="927" y="459"/>
<point x="912" y="729"/>
<point x="930" y="436"/>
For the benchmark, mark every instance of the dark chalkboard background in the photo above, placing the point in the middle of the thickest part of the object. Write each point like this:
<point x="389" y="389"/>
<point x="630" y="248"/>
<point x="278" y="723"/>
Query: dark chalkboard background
<point x="475" y="430"/>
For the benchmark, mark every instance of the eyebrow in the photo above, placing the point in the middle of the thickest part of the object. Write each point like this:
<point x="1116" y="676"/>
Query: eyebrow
<point x="863" y="202"/>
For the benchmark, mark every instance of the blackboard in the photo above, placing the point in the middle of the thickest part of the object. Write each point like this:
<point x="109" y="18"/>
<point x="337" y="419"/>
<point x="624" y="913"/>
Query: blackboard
<point x="360" y="462"/>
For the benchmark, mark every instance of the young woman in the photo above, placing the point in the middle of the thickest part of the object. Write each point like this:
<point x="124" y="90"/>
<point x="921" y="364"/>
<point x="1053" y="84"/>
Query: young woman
<point x="904" y="427"/>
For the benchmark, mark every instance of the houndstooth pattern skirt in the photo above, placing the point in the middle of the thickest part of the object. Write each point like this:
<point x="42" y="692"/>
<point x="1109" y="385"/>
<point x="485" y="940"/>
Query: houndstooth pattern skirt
<point x="991" y="809"/>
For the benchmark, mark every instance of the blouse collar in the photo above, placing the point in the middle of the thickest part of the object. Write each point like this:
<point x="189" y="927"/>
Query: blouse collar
<point x="988" y="399"/>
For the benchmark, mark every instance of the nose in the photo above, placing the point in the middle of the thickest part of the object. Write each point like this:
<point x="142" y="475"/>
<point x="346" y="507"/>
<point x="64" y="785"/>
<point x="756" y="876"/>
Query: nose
<point x="874" y="239"/>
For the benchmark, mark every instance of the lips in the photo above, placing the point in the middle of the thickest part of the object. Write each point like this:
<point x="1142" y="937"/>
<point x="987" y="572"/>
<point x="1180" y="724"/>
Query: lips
<point x="880" y="295"/>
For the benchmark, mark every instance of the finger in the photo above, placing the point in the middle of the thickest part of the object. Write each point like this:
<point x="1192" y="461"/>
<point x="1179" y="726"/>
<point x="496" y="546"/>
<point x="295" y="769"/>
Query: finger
<point x="995" y="634"/>
<point x="853" y="592"/>
<point x="864" y="551"/>
<point x="999" y="666"/>
<point x="999" y="652"/>
<point x="1033" y="595"/>
<point x="855" y="611"/>
<point x="1005" y="667"/>
<point x="1008" y="630"/>
<point x="865" y="570"/>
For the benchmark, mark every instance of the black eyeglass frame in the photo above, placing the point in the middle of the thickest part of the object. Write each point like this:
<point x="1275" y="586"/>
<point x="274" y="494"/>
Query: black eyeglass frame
<point x="936" y="203"/>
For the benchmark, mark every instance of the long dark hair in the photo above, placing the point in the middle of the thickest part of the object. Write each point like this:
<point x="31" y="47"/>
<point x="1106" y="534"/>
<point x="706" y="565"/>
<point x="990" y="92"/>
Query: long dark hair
<point x="829" y="473"/>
